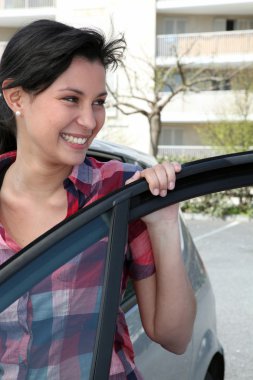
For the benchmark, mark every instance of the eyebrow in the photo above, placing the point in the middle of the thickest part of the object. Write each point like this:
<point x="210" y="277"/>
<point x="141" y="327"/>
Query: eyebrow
<point x="79" y="92"/>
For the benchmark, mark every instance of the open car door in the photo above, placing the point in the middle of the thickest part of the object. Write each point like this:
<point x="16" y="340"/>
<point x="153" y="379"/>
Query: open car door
<point x="97" y="236"/>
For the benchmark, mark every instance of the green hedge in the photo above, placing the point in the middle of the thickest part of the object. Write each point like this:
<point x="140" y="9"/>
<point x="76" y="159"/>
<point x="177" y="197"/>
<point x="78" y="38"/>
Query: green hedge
<point x="222" y="204"/>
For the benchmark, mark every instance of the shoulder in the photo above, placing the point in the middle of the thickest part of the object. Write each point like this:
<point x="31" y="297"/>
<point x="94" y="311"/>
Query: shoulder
<point x="96" y="178"/>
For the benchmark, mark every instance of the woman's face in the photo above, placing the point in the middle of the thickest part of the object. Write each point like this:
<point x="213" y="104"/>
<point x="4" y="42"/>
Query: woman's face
<point x="59" y="124"/>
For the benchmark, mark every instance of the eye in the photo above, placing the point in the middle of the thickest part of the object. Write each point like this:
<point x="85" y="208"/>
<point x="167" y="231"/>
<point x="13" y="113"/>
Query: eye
<point x="71" y="99"/>
<point x="99" y="102"/>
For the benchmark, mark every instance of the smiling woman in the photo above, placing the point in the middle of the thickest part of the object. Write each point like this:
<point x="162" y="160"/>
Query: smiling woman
<point x="66" y="119"/>
<point x="52" y="80"/>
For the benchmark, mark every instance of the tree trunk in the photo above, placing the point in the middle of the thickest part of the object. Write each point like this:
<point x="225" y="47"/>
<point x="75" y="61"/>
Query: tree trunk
<point x="155" y="130"/>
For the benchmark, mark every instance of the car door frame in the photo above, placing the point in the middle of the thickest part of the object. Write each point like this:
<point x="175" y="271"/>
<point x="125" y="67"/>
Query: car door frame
<point x="127" y="204"/>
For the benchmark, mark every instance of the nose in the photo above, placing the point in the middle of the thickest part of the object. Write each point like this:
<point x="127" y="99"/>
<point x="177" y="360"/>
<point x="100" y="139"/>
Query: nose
<point x="86" y="118"/>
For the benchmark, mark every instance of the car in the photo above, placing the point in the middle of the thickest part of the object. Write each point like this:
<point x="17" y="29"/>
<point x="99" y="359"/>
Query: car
<point x="106" y="221"/>
<point x="204" y="357"/>
<point x="104" y="151"/>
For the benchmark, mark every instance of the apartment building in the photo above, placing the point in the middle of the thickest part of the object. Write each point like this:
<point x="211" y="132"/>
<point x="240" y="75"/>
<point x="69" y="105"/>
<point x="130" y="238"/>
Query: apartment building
<point x="217" y="33"/>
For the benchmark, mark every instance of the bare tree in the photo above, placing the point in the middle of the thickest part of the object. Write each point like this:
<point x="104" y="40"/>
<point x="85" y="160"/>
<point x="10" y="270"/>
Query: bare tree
<point x="148" y="94"/>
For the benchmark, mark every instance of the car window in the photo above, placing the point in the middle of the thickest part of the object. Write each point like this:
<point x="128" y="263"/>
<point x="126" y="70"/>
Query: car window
<point x="68" y="278"/>
<point x="129" y="298"/>
<point x="73" y="291"/>
<point x="102" y="156"/>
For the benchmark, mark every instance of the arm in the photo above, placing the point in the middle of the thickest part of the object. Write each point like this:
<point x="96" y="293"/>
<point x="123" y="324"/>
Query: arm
<point x="166" y="299"/>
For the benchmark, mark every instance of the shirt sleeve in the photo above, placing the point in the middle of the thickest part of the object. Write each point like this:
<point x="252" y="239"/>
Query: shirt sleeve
<point x="140" y="260"/>
<point x="106" y="177"/>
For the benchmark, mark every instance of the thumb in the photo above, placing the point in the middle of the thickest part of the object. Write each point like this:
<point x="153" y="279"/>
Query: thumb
<point x="135" y="177"/>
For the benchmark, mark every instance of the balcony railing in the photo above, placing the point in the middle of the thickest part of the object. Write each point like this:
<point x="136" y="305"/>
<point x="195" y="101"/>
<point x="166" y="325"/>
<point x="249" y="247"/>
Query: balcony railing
<point x="187" y="151"/>
<point x="190" y="152"/>
<point x="207" y="46"/>
<point x="13" y="4"/>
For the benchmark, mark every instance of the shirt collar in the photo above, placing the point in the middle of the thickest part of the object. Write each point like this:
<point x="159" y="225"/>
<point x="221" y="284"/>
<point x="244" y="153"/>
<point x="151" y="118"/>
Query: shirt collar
<point x="7" y="159"/>
<point x="81" y="176"/>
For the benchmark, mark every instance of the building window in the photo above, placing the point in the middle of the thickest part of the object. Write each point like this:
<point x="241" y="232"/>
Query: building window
<point x="174" y="26"/>
<point x="173" y="82"/>
<point x="230" y="24"/>
<point x="171" y="136"/>
<point x="224" y="85"/>
<point x="223" y="24"/>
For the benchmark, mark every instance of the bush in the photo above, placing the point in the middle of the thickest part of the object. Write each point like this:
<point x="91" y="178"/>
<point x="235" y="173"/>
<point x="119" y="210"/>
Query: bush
<point x="222" y="204"/>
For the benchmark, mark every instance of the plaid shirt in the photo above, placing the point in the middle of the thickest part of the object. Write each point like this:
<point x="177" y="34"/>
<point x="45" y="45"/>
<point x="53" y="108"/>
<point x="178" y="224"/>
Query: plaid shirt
<point x="48" y="332"/>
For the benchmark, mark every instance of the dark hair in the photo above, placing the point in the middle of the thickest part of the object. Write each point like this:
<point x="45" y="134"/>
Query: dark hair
<point x="39" y="53"/>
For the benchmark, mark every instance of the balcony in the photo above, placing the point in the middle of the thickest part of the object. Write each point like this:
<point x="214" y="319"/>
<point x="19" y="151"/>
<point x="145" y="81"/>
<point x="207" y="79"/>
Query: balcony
<point x="12" y="4"/>
<point x="16" y="13"/>
<point x="207" y="7"/>
<point x="206" y="48"/>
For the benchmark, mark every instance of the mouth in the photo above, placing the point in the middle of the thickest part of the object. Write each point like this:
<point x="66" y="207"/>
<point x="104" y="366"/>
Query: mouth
<point x="74" y="139"/>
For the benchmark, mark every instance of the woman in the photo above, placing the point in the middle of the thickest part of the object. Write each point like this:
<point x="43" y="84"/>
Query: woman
<point x="52" y="106"/>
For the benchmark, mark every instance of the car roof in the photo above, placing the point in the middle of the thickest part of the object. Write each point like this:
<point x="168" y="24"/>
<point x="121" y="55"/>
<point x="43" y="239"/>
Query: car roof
<point x="121" y="152"/>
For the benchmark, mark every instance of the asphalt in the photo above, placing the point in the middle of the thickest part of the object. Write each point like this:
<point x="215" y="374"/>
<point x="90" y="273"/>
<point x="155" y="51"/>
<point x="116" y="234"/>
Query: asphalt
<point x="226" y="247"/>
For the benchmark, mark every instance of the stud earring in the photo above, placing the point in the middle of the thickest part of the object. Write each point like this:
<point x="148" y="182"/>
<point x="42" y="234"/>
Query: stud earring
<point x="18" y="113"/>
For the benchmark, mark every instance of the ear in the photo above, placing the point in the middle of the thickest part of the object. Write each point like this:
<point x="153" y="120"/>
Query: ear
<point x="12" y="96"/>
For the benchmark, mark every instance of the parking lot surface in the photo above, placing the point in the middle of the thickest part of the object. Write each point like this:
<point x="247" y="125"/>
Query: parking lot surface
<point x="226" y="248"/>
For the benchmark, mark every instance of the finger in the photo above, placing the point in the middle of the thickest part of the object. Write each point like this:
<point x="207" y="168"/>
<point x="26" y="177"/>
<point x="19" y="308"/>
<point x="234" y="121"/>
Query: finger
<point x="156" y="178"/>
<point x="152" y="180"/>
<point x="171" y="174"/>
<point x="177" y="166"/>
<point x="162" y="177"/>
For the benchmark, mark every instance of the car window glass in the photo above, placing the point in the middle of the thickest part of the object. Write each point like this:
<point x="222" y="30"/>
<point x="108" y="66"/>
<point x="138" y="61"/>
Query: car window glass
<point x="56" y="319"/>
<point x="130" y="292"/>
<point x="104" y="157"/>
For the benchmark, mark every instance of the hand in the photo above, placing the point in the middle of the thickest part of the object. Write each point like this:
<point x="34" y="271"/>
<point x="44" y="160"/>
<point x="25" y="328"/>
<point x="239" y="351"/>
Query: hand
<point x="161" y="178"/>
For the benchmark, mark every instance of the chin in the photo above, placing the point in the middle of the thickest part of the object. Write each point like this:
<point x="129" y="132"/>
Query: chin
<point x="76" y="159"/>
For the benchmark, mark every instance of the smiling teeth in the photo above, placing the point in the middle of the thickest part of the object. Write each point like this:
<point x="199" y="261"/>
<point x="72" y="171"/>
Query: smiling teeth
<point x="74" y="140"/>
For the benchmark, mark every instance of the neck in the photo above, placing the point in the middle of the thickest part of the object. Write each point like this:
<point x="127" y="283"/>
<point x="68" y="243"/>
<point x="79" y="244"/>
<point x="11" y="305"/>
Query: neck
<point x="35" y="179"/>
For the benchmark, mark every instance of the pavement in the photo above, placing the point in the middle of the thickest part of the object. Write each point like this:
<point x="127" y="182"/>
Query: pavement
<point x="226" y="247"/>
